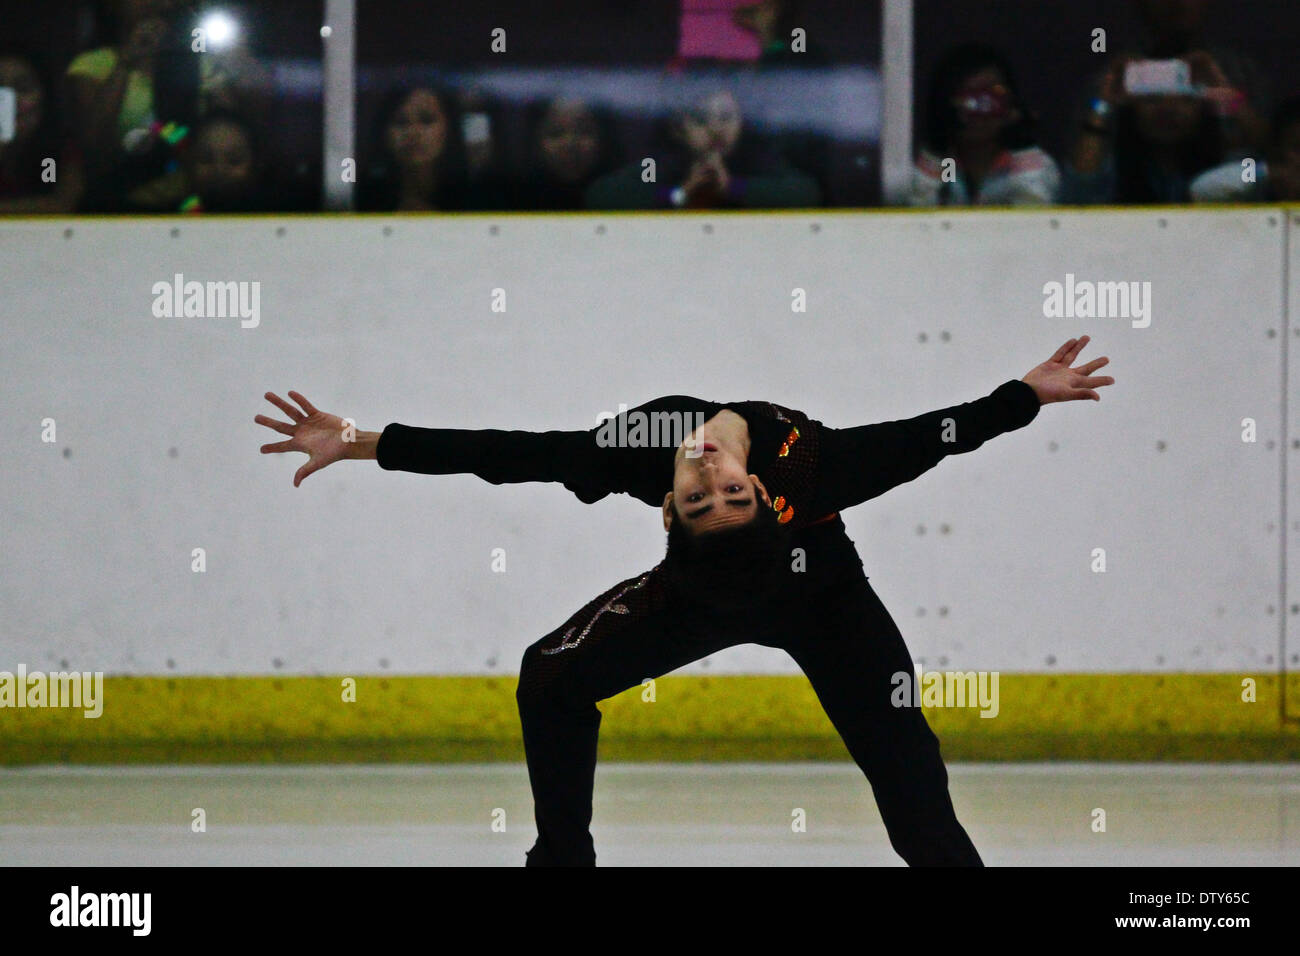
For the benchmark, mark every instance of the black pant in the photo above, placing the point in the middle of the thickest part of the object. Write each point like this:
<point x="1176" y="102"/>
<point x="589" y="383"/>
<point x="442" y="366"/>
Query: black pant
<point x="838" y="632"/>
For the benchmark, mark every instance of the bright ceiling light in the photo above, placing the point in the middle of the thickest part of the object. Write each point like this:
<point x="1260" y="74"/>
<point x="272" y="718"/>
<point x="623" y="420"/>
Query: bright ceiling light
<point x="219" y="29"/>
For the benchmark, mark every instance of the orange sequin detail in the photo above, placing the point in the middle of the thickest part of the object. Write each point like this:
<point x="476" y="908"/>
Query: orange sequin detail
<point x="786" y="514"/>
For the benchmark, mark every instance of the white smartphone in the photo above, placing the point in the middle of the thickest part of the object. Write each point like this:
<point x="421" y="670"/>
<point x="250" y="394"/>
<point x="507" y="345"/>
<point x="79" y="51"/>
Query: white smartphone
<point x="1158" y="78"/>
<point x="8" y="113"/>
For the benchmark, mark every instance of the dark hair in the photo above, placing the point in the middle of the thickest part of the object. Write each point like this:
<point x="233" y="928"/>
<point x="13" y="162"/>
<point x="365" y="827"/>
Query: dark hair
<point x="1133" y="156"/>
<point x="953" y="69"/>
<point x="380" y="187"/>
<point x="257" y="197"/>
<point x="730" y="568"/>
<point x="537" y="190"/>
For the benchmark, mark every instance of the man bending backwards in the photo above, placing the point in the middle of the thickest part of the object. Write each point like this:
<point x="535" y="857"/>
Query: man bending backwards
<point x="745" y="489"/>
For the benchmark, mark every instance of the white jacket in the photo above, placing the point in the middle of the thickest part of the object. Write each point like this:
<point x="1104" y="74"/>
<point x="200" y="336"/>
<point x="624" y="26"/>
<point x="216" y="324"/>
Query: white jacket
<point x="1021" y="177"/>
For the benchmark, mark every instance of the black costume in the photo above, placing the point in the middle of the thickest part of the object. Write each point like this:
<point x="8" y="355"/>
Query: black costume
<point x="827" y="617"/>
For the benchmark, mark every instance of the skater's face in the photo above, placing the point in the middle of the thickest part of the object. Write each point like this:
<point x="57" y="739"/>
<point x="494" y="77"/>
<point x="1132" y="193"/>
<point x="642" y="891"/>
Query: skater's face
<point x="713" y="490"/>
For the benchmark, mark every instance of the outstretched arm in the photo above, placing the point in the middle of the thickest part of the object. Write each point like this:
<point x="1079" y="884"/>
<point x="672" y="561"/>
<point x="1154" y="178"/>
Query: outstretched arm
<point x="571" y="458"/>
<point x="496" y="456"/>
<point x="861" y="463"/>
<point x="586" y="464"/>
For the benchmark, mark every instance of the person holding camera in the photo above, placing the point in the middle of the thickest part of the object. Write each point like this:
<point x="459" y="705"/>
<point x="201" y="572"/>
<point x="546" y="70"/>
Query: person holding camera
<point x="1160" y="117"/>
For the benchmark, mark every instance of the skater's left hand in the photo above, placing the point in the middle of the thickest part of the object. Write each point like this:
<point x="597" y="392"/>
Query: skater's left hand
<point x="1055" y="381"/>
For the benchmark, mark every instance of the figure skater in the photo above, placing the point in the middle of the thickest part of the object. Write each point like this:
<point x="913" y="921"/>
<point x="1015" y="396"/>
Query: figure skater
<point x="757" y="553"/>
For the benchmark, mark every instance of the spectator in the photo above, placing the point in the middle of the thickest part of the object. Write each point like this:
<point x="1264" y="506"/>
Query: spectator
<point x="112" y="92"/>
<point x="570" y="144"/>
<point x="773" y="22"/>
<point x="39" y="172"/>
<point x="225" y="166"/>
<point x="980" y="147"/>
<point x="228" y="79"/>
<point x="1175" y="29"/>
<point x="137" y="103"/>
<point x="1145" y="148"/>
<point x="421" y="164"/>
<point x="707" y="158"/>
<point x="1277" y="177"/>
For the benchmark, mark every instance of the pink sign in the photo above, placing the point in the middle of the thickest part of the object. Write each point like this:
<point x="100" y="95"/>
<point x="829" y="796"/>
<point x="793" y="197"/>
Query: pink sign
<point x="708" y="30"/>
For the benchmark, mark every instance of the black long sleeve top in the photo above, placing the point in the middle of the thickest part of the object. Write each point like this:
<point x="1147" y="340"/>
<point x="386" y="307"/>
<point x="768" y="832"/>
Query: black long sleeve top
<point x="852" y="465"/>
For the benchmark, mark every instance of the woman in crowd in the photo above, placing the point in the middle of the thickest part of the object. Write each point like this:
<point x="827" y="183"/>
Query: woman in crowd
<point x="1145" y="149"/>
<point x="980" y="148"/>
<point x="113" y="91"/>
<point x="421" y="163"/>
<point x="708" y="156"/>
<point x="570" y="144"/>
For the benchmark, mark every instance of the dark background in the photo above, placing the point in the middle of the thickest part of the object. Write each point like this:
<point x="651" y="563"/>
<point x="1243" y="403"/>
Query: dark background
<point x="609" y="32"/>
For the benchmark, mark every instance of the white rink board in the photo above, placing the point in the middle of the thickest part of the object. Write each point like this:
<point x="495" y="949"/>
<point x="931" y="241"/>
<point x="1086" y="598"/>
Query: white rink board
<point x="1291" y="604"/>
<point x="366" y="571"/>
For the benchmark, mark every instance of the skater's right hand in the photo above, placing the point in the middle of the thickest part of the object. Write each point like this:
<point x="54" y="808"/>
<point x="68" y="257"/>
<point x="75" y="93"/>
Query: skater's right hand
<point x="317" y="433"/>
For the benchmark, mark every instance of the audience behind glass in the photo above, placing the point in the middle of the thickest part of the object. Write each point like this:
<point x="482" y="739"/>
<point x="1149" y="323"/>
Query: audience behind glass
<point x="149" y="125"/>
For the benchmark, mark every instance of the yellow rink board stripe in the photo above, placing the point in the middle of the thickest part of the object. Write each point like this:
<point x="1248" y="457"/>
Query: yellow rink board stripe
<point x="1180" y="717"/>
